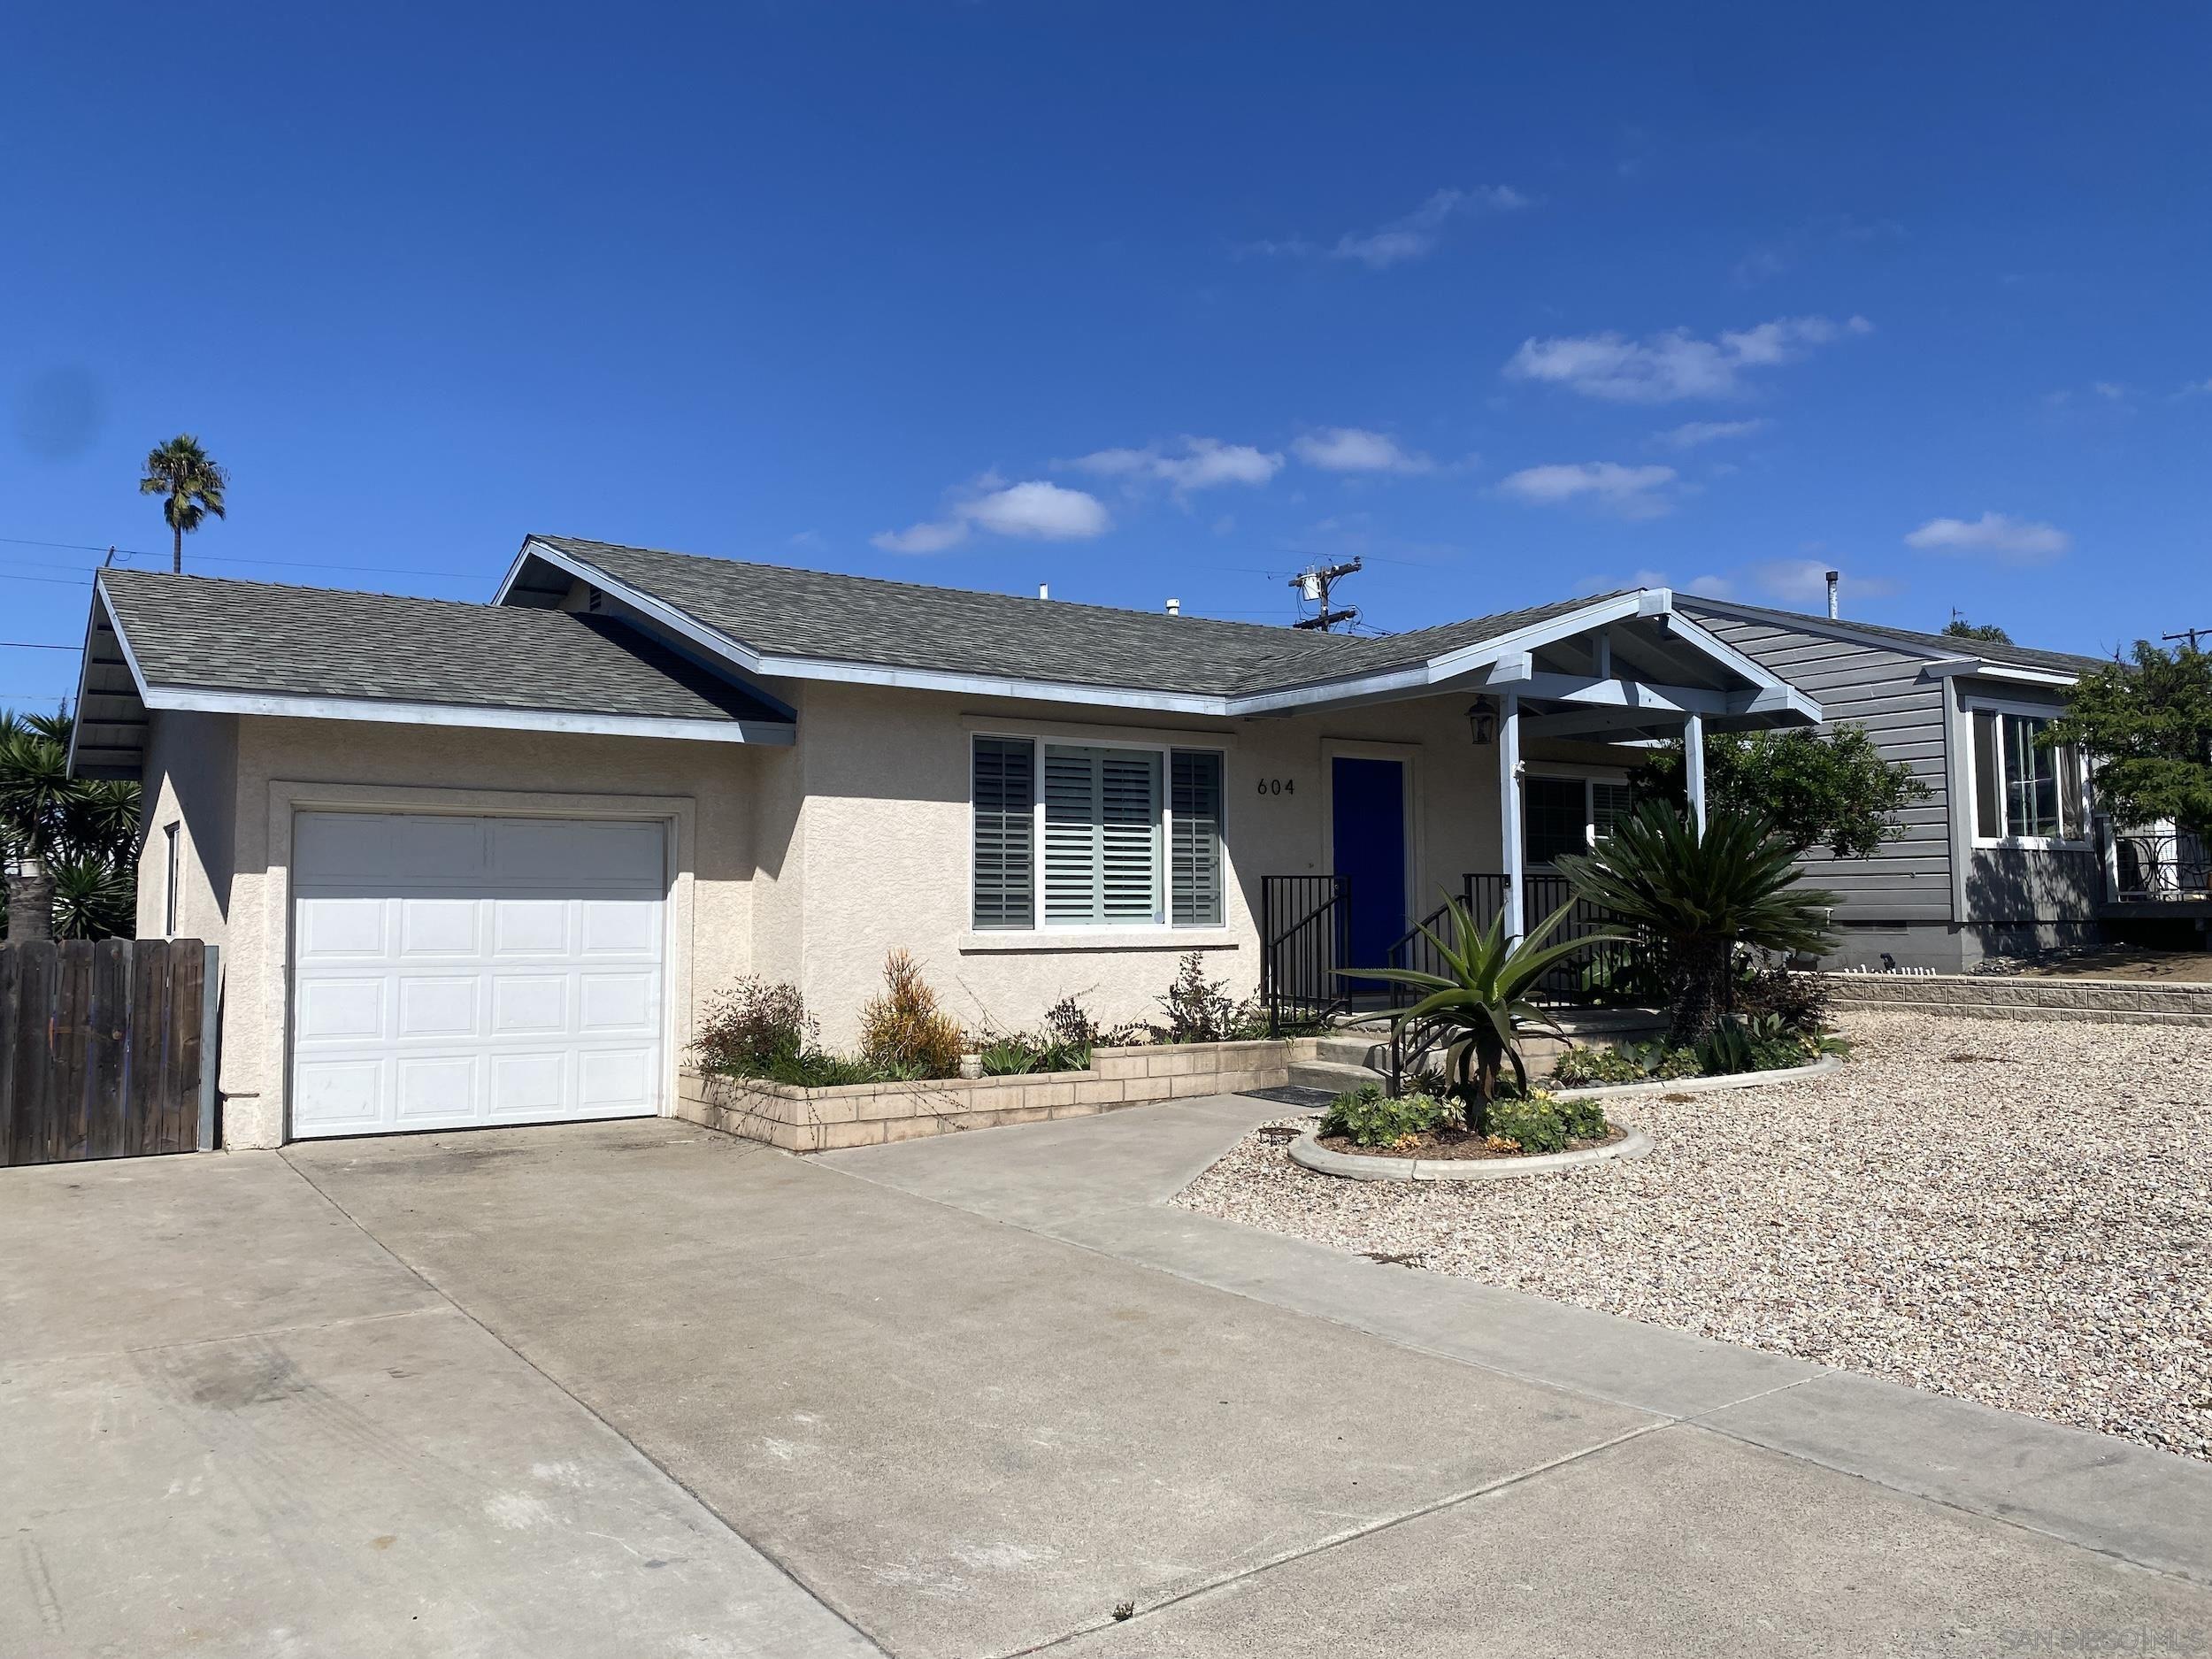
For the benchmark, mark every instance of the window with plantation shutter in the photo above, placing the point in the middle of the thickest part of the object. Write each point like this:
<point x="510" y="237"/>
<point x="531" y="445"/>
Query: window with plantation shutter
<point x="1101" y="836"/>
<point x="1195" y="857"/>
<point x="1005" y="832"/>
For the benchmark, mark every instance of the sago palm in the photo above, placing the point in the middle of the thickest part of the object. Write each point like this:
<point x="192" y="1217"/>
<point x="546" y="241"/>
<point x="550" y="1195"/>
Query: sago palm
<point x="193" y="484"/>
<point x="57" y="825"/>
<point x="1479" y="1007"/>
<point x="1694" y="897"/>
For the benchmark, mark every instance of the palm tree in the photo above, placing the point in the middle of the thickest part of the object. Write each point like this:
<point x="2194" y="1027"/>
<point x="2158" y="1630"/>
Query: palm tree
<point x="1695" y="896"/>
<point x="1480" y="1003"/>
<point x="180" y="470"/>
<point x="61" y="834"/>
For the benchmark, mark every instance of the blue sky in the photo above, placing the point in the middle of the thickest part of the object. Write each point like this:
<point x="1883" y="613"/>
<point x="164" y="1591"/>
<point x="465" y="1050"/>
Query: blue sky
<point x="1134" y="300"/>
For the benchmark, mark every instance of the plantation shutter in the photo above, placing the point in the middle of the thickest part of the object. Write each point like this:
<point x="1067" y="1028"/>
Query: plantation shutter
<point x="1005" y="832"/>
<point x="1611" y="804"/>
<point x="1101" y="836"/>
<point x="1194" y="859"/>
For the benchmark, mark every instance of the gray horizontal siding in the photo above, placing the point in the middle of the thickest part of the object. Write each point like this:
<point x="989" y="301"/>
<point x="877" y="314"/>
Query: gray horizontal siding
<point x="1910" y="880"/>
<point x="2018" y="885"/>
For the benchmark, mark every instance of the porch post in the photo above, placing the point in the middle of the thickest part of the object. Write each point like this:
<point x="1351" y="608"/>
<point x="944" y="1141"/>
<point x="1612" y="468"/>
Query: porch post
<point x="1509" y="808"/>
<point x="1693" y="766"/>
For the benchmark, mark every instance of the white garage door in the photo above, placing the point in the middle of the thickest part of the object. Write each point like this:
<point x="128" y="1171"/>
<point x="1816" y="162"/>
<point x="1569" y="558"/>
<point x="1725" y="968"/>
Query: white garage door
<point x="449" y="971"/>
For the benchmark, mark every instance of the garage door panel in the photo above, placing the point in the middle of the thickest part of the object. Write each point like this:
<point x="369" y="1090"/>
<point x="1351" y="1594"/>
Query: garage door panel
<point x="522" y="983"/>
<point x="441" y="1008"/>
<point x="440" y="927"/>
<point x="338" y="1096"/>
<point x="529" y="1004"/>
<point x="434" y="1090"/>
<point x="531" y="927"/>
<point x="342" y="927"/>
<point x="341" y="1010"/>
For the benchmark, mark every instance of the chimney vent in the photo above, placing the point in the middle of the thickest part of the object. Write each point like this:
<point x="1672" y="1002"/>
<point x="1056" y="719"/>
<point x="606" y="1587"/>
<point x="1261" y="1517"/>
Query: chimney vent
<point x="1834" y="610"/>
<point x="1175" y="607"/>
<point x="1044" y="590"/>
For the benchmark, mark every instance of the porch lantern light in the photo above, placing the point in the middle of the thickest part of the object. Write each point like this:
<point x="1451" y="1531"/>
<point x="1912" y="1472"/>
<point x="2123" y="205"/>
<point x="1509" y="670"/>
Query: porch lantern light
<point x="1482" y="722"/>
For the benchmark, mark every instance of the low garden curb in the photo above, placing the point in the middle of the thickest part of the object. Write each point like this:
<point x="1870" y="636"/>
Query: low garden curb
<point x="1308" y="1151"/>
<point x="1698" y="1085"/>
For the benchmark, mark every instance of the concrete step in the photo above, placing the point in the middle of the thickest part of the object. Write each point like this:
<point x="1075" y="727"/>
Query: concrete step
<point x="1331" y="1075"/>
<point x="1353" y="1048"/>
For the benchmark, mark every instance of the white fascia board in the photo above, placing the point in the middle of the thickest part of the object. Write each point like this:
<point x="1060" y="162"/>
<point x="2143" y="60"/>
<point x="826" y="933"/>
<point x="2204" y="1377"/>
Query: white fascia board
<point x="1980" y="668"/>
<point x="1758" y="674"/>
<point x="472" y="715"/>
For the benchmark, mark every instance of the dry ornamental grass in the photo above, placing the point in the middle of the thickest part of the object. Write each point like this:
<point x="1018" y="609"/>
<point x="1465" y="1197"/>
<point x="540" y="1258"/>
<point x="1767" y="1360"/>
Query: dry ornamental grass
<point x="2014" y="1212"/>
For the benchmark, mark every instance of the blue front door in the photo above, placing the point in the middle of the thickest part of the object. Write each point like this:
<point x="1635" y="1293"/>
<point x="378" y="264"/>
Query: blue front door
<point x="1368" y="812"/>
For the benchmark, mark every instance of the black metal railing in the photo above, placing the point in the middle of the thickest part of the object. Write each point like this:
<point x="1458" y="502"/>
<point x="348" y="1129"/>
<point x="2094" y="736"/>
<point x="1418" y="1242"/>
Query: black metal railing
<point x="1570" y="981"/>
<point x="2162" y="867"/>
<point x="1305" y="929"/>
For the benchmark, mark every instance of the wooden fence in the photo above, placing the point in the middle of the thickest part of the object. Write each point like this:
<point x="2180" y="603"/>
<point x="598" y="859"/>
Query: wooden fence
<point x="107" y="1049"/>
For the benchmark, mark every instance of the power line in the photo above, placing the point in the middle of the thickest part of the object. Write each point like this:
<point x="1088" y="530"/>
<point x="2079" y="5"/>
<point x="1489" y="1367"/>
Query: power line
<point x="235" y="558"/>
<point x="34" y="645"/>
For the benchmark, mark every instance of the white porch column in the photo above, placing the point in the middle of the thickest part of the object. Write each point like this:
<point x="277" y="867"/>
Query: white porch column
<point x="1510" y="809"/>
<point x="1693" y="766"/>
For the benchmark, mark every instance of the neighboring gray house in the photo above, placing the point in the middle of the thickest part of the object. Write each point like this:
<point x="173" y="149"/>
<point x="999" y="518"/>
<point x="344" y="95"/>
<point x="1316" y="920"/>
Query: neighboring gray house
<point x="2004" y="855"/>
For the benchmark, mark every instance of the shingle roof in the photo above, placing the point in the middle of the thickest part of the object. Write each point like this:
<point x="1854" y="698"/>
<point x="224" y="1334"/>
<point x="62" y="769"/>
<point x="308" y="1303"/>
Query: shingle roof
<point x="216" y="634"/>
<point x="781" y="611"/>
<point x="1940" y="644"/>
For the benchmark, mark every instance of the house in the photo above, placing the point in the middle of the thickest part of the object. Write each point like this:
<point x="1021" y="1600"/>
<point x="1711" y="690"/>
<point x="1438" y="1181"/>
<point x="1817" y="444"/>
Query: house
<point x="2004" y="855"/>
<point x="473" y="864"/>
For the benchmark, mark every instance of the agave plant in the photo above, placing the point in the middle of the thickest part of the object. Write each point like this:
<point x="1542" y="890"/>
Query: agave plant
<point x="1695" y="896"/>
<point x="1478" y="1009"/>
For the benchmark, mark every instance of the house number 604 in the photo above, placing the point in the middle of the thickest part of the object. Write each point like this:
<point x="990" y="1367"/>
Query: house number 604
<point x="1278" y="785"/>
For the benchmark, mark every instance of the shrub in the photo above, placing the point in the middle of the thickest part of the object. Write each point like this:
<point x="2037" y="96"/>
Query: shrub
<point x="814" y="1069"/>
<point x="1765" y="1044"/>
<point x="1587" y="1068"/>
<point x="903" y="1033"/>
<point x="1543" y="1123"/>
<point x="1198" y="1010"/>
<point x="1069" y="1024"/>
<point x="754" y="1025"/>
<point x="1010" y="1055"/>
<point x="1366" y="1118"/>
<point x="1800" y="1001"/>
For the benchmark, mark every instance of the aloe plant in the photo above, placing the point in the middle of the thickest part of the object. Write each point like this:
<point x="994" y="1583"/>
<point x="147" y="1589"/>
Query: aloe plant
<point x="1479" y="1007"/>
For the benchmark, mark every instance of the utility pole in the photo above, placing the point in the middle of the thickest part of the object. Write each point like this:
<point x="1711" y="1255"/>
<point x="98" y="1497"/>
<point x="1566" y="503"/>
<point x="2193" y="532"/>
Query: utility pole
<point x="2189" y="634"/>
<point x="1313" y="584"/>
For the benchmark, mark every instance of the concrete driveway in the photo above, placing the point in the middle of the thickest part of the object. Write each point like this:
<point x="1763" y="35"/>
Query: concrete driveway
<point x="640" y="1390"/>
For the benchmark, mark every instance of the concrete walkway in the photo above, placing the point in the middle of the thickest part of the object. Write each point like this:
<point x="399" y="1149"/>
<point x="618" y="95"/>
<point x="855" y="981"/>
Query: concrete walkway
<point x="639" y="1389"/>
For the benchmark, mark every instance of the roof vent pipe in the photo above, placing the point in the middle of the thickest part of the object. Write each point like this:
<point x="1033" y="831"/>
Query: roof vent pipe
<point x="1044" y="591"/>
<point x="1835" y="611"/>
<point x="1175" y="607"/>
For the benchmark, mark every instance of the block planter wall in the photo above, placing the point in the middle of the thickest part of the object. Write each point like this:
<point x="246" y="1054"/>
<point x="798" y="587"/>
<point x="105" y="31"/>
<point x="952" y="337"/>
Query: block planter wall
<point x="867" y="1114"/>
<point x="1991" y="996"/>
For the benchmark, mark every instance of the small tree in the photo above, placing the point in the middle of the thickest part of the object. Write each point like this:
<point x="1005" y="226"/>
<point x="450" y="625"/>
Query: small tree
<point x="181" y="471"/>
<point x="1814" y="788"/>
<point x="1988" y="632"/>
<point x="72" y="839"/>
<point x="1695" y="897"/>
<point x="2146" y="727"/>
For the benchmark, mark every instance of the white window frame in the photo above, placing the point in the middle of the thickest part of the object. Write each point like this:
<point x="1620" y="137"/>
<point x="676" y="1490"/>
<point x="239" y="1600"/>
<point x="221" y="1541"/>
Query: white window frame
<point x="2028" y="843"/>
<point x="1566" y="772"/>
<point x="1038" y="741"/>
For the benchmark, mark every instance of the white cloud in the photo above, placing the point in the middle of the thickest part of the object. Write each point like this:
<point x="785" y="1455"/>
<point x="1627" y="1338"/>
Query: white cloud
<point x="1036" y="510"/>
<point x="1691" y="434"/>
<point x="1998" y="535"/>
<point x="1665" y="368"/>
<point x="1629" y="491"/>
<point x="2194" y="388"/>
<point x="1412" y="237"/>
<point x="1202" y="463"/>
<point x="1355" y="449"/>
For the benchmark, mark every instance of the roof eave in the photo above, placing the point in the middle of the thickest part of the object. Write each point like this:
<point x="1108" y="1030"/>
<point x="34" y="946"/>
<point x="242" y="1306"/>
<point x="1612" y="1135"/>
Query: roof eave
<point x="219" y="700"/>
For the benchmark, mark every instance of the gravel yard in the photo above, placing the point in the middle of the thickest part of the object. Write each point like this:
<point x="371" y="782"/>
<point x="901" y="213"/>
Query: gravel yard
<point x="2014" y="1212"/>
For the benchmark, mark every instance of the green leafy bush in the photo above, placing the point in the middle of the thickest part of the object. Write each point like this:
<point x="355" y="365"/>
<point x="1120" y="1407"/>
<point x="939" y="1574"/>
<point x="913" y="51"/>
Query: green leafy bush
<point x="1200" y="1010"/>
<point x="1018" y="1054"/>
<point x="1366" y="1118"/>
<point x="1800" y="1001"/>
<point x="1765" y="1044"/>
<point x="903" y="1033"/>
<point x="814" y="1069"/>
<point x="1588" y="1068"/>
<point x="1543" y="1123"/>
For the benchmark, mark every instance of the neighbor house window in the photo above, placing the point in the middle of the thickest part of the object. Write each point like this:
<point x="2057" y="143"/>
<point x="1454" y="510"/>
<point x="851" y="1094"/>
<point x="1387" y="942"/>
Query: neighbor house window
<point x="1569" y="815"/>
<point x="2024" y="790"/>
<point x="1095" y="835"/>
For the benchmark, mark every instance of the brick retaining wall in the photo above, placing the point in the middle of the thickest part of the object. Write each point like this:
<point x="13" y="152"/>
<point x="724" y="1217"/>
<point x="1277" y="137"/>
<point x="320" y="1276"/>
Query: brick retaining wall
<point x="866" y="1114"/>
<point x="1993" y="996"/>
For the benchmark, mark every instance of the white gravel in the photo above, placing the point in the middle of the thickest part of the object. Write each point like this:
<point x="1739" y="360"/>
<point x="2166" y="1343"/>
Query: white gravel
<point x="2014" y="1212"/>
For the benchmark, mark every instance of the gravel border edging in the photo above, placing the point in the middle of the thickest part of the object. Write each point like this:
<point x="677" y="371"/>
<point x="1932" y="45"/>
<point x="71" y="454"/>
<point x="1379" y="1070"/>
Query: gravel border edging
<point x="1308" y="1151"/>
<point x="1700" y="1085"/>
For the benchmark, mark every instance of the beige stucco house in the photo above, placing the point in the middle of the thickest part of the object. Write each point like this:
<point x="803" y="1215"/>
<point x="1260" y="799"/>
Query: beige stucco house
<point x="472" y="863"/>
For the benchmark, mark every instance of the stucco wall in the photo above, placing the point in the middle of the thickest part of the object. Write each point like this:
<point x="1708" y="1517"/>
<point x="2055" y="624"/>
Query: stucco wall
<point x="191" y="780"/>
<point x="283" y="765"/>
<point x="882" y="841"/>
